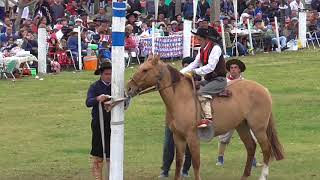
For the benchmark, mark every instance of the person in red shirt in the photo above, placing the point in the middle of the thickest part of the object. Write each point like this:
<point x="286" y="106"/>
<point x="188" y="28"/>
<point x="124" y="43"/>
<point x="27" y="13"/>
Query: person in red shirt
<point x="130" y="43"/>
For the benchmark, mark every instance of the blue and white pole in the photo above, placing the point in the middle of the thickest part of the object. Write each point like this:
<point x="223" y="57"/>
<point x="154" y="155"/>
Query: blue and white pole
<point x="117" y="91"/>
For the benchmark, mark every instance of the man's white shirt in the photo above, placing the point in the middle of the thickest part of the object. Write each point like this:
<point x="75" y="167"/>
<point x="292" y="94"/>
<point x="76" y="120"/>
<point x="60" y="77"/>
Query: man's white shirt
<point x="212" y="62"/>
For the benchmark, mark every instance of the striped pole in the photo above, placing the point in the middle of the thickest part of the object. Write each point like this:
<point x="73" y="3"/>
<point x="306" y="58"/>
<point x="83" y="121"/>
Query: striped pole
<point x="117" y="91"/>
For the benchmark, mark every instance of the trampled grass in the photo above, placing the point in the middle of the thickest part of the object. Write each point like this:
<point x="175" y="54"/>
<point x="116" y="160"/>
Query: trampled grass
<point x="45" y="126"/>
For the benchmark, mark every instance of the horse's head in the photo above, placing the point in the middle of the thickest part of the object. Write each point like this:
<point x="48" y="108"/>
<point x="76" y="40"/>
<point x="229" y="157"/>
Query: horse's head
<point x="148" y="75"/>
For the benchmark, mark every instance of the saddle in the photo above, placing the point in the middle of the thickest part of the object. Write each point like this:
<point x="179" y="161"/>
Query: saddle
<point x="226" y="92"/>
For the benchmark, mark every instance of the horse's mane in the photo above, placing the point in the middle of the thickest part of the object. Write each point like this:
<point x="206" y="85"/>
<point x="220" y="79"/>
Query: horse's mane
<point x="175" y="76"/>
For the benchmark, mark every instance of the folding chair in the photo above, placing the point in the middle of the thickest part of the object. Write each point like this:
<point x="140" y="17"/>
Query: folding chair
<point x="131" y="54"/>
<point x="311" y="39"/>
<point x="72" y="58"/>
<point x="2" y="68"/>
<point x="316" y="37"/>
<point x="9" y="68"/>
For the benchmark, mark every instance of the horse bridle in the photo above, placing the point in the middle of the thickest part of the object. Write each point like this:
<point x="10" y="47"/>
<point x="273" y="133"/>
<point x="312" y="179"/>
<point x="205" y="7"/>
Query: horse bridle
<point x="155" y="87"/>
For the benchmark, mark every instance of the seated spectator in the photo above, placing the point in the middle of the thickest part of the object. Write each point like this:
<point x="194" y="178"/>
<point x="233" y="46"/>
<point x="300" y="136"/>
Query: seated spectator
<point x="174" y="26"/>
<point x="102" y="14"/>
<point x="132" y="18"/>
<point x="272" y="33"/>
<point x="4" y="37"/>
<point x="250" y="9"/>
<point x="8" y="46"/>
<point x="258" y="8"/>
<point x="291" y="29"/>
<point x="130" y="44"/>
<point x="30" y="44"/>
<point x="226" y="7"/>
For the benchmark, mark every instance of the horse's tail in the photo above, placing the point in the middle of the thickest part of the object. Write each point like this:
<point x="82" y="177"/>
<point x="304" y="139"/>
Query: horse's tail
<point x="276" y="147"/>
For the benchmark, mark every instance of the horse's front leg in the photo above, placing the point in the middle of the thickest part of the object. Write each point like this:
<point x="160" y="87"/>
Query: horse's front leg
<point x="180" y="151"/>
<point x="194" y="147"/>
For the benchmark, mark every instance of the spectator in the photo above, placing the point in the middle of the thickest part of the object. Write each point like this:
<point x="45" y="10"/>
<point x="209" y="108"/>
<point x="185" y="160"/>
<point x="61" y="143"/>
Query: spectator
<point x="172" y="9"/>
<point x="7" y="35"/>
<point x="71" y="8"/>
<point x="179" y="19"/>
<point x="150" y="7"/>
<point x="132" y="19"/>
<point x="43" y="9"/>
<point x="130" y="44"/>
<point x="57" y="10"/>
<point x="134" y="6"/>
<point x="30" y="44"/>
<point x="188" y="9"/>
<point x="291" y="30"/>
<point x="163" y="8"/>
<point x="250" y="10"/>
<point x="203" y="6"/>
<point x="7" y="23"/>
<point x="2" y="10"/>
<point x="315" y="5"/>
<point x="274" y="10"/>
<point x="258" y="8"/>
<point x="296" y="5"/>
<point x="102" y="15"/>
<point x="226" y="7"/>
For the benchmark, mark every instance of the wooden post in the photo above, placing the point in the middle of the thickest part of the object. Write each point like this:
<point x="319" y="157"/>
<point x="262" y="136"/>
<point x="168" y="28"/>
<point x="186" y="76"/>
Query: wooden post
<point x="303" y="28"/>
<point x="277" y="34"/>
<point x="42" y="50"/>
<point x="223" y="38"/>
<point x="79" y="48"/>
<point x="187" y="25"/>
<point x="117" y="91"/>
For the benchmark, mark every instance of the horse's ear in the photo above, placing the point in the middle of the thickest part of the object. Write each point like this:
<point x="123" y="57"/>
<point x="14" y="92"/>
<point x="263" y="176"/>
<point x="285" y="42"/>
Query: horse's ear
<point x="156" y="59"/>
<point x="150" y="57"/>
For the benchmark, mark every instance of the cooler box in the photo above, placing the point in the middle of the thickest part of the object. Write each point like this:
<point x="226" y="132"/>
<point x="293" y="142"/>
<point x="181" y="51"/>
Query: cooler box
<point x="90" y="63"/>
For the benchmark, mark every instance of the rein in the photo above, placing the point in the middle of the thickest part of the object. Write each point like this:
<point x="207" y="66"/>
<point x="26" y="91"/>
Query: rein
<point x="157" y="86"/>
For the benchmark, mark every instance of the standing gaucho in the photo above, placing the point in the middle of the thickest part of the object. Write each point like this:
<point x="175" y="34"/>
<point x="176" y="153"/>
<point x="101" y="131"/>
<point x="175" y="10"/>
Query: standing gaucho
<point x="213" y="69"/>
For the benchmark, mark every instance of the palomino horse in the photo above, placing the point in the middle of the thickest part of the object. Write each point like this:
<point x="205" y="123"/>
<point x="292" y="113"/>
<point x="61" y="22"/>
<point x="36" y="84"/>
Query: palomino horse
<point x="249" y="107"/>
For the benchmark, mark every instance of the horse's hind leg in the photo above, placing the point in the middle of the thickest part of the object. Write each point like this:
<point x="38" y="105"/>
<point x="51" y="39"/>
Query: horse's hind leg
<point x="194" y="147"/>
<point x="245" y="135"/>
<point x="180" y="151"/>
<point x="260" y="131"/>
<point x="266" y="150"/>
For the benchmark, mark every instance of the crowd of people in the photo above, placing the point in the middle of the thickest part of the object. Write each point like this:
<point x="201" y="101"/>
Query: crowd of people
<point x="61" y="17"/>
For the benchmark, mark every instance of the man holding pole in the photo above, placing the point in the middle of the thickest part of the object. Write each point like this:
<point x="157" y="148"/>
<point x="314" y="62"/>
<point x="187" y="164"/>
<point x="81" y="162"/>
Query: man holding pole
<point x="97" y="94"/>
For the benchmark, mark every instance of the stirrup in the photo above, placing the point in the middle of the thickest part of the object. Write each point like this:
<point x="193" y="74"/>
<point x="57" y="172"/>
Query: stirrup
<point x="204" y="123"/>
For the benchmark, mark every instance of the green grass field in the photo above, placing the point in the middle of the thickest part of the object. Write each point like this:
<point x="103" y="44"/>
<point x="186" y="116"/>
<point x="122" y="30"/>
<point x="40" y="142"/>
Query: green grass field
<point x="45" y="127"/>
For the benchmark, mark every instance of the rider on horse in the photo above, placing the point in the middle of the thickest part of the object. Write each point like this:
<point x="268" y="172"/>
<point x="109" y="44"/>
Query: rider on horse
<point x="213" y="69"/>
